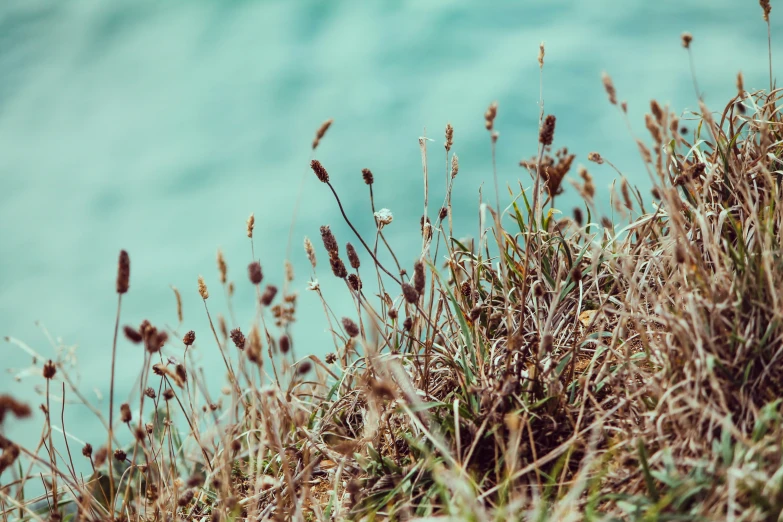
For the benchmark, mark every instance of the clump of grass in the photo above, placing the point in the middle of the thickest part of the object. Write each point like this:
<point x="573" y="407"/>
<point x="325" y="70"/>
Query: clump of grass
<point x="548" y="369"/>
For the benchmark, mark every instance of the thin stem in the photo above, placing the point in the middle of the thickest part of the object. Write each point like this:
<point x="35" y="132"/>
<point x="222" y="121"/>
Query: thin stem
<point x="111" y="399"/>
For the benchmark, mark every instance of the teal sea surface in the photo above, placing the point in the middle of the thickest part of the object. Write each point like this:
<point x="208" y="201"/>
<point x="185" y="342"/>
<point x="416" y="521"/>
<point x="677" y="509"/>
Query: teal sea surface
<point x="158" y="127"/>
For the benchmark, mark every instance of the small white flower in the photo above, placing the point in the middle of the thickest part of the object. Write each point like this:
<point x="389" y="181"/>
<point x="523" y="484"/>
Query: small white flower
<point x="313" y="285"/>
<point x="383" y="217"/>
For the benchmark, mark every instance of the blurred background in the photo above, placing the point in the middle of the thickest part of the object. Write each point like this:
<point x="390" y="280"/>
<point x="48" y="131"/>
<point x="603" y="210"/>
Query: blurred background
<point x="159" y="127"/>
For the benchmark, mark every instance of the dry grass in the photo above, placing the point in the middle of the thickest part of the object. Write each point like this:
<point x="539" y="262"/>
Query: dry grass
<point x="550" y="369"/>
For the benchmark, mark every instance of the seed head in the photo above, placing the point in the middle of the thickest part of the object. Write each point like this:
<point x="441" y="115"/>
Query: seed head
<point x="238" y="338"/>
<point x="578" y="218"/>
<point x="443" y="214"/>
<point x="202" y="288"/>
<point x="547" y="132"/>
<point x="576" y="274"/>
<point x="304" y="367"/>
<point x="185" y="499"/>
<point x="87" y="450"/>
<point x="679" y="253"/>
<point x="353" y="257"/>
<point x="320" y="171"/>
<point x="686" y="38"/>
<point x="355" y="282"/>
<point x="181" y="372"/>
<point x="222" y="268"/>
<point x="178" y="297"/>
<point x="123" y="272"/>
<point x="330" y="358"/>
<point x="383" y="217"/>
<point x="419" y="279"/>
<point x="18" y="409"/>
<point x="254" y="346"/>
<point x="541" y="55"/>
<point x="132" y="335"/>
<point x="595" y="157"/>
<point x="49" y="370"/>
<point x="766" y="8"/>
<point x="454" y="166"/>
<point x="490" y="115"/>
<point x="350" y="327"/>
<point x="367" y="176"/>
<point x="330" y="243"/>
<point x="255" y="273"/>
<point x="251" y="223"/>
<point x="338" y="268"/>
<point x="269" y="295"/>
<point x="449" y="136"/>
<point x="407" y="324"/>
<point x="120" y="455"/>
<point x="547" y="343"/>
<point x="319" y="134"/>
<point x="392" y="314"/>
<point x="410" y="293"/>
<point x="740" y="85"/>
<point x="125" y="413"/>
<point x="189" y="338"/>
<point x="149" y="392"/>
<point x="168" y="394"/>
<point x="609" y="88"/>
<point x="285" y="344"/>
<point x="310" y="251"/>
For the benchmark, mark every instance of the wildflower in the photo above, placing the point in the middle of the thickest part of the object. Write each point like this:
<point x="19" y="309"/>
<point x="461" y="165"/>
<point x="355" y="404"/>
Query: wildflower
<point x="123" y="272"/>
<point x="367" y="176"/>
<point x="320" y="171"/>
<point x="189" y="338"/>
<point x="383" y="217"/>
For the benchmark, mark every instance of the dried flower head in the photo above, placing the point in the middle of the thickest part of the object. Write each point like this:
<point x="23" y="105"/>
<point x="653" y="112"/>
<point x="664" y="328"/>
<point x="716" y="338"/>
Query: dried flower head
<point x="202" y="288"/>
<point x="419" y="279"/>
<point x="578" y="217"/>
<point x="10" y="405"/>
<point x="353" y="257"/>
<point x="449" y="136"/>
<point x="168" y="394"/>
<point x="133" y="335"/>
<point x="123" y="272"/>
<point x="393" y="314"/>
<point x="367" y="176"/>
<point x="120" y="456"/>
<point x="355" y="282"/>
<point x="320" y="171"/>
<point x="443" y="213"/>
<point x="686" y="38"/>
<point x="679" y="253"/>
<point x="407" y="324"/>
<point x="269" y="295"/>
<point x="49" y="370"/>
<point x="319" y="134"/>
<point x="284" y="344"/>
<point x="595" y="157"/>
<point x="609" y="88"/>
<point x="178" y="297"/>
<point x="251" y="223"/>
<point x="766" y="8"/>
<point x="149" y="392"/>
<point x="656" y="111"/>
<point x="740" y="85"/>
<point x="125" y="413"/>
<point x="310" y="251"/>
<point x="338" y="267"/>
<point x="490" y="115"/>
<point x="238" y="338"/>
<point x="304" y="367"/>
<point x="222" y="268"/>
<point x="87" y="450"/>
<point x="254" y="273"/>
<point x="186" y="498"/>
<point x="253" y="350"/>
<point x="350" y="327"/>
<point x="547" y="133"/>
<point x="541" y="55"/>
<point x="330" y="243"/>
<point x="189" y="338"/>
<point x="181" y="372"/>
<point x="410" y="293"/>
<point x="330" y="358"/>
<point x="383" y="217"/>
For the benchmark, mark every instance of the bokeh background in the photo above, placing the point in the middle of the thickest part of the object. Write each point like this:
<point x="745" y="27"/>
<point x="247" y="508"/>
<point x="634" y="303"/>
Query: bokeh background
<point x="158" y="127"/>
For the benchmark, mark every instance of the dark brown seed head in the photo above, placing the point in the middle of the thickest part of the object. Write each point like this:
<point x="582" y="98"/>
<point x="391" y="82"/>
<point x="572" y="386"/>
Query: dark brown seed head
<point x="87" y="450"/>
<point x="285" y="344"/>
<point x="475" y="313"/>
<point x="538" y="290"/>
<point x="320" y="171"/>
<point x="330" y="358"/>
<point x="185" y="499"/>
<point x="687" y="38"/>
<point x="168" y="394"/>
<point x="195" y="481"/>
<point x="123" y="273"/>
<point x="419" y="279"/>
<point x="304" y="367"/>
<point x="330" y="243"/>
<point x="656" y="111"/>
<point x="353" y="257"/>
<point x="120" y="455"/>
<point x="149" y="392"/>
<point x="410" y="293"/>
<point x="319" y="134"/>
<point x="578" y="217"/>
<point x="125" y="413"/>
<point x="189" y="338"/>
<point x="392" y="314"/>
<point x="181" y="372"/>
<point x="133" y="335"/>
<point x="766" y="8"/>
<point x="100" y="456"/>
<point x="49" y="370"/>
<point x="338" y="268"/>
<point x="255" y="273"/>
<point x="238" y="338"/>
<point x="407" y="324"/>
<point x="465" y="289"/>
<point x="269" y="295"/>
<point x="350" y="327"/>
<point x="367" y="176"/>
<point x="576" y="274"/>
<point x="547" y="132"/>
<point x="679" y="253"/>
<point x="443" y="214"/>
<point x="355" y="282"/>
<point x="10" y="405"/>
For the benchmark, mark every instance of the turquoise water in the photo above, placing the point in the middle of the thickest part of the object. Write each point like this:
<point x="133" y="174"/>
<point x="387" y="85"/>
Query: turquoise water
<point x="159" y="128"/>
